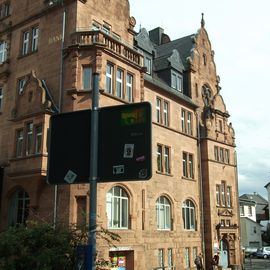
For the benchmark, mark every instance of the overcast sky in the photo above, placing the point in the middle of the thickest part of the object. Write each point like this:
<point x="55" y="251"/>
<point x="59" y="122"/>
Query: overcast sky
<point x="239" y="31"/>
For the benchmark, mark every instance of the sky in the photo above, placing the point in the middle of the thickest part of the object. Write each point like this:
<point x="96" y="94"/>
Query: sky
<point x="239" y="32"/>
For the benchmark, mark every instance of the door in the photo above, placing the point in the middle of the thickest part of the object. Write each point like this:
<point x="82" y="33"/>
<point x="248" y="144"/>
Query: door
<point x="223" y="255"/>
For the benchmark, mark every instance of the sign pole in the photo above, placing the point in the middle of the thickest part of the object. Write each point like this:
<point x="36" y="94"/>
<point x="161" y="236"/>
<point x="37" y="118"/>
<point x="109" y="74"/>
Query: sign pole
<point x="93" y="169"/>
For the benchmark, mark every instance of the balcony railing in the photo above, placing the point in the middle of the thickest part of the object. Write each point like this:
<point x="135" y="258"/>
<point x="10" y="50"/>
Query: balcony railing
<point x="111" y="43"/>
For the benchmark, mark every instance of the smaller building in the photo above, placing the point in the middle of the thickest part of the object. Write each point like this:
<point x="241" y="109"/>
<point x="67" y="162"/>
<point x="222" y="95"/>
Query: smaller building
<point x="250" y="229"/>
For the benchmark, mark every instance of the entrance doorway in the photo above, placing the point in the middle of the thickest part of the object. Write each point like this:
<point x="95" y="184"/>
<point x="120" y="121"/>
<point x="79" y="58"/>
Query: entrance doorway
<point x="223" y="255"/>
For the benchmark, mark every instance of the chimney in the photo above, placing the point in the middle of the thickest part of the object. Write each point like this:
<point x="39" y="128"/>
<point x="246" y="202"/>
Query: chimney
<point x="155" y="35"/>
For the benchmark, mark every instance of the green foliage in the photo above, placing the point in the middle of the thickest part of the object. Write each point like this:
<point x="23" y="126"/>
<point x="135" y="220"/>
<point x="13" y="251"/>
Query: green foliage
<point x="40" y="246"/>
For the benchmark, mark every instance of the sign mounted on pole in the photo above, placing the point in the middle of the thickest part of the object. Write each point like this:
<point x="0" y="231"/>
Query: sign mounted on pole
<point x="124" y="150"/>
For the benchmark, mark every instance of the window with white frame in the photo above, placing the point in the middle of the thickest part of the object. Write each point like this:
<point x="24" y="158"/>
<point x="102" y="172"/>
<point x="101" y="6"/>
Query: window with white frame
<point x="176" y="81"/>
<point x="30" y="40"/>
<point x="148" y="64"/>
<point x="25" y="42"/>
<point x="222" y="154"/>
<point x="188" y="212"/>
<point x="188" y="166"/>
<point x="250" y="210"/>
<point x="18" y="210"/>
<point x="194" y="253"/>
<point x="242" y="212"/>
<point x="163" y="213"/>
<point x="1" y="98"/>
<point x="163" y="159"/>
<point x="162" y="111"/>
<point x="158" y="109"/>
<point x="186" y="122"/>
<point x="19" y="143"/>
<point x="109" y="78"/>
<point x="129" y="87"/>
<point x="86" y="77"/>
<point x="4" y="10"/>
<point x="35" y="32"/>
<point x="117" y="208"/>
<point x="3" y="52"/>
<point x="160" y="257"/>
<point x="223" y="195"/>
<point x="119" y="83"/>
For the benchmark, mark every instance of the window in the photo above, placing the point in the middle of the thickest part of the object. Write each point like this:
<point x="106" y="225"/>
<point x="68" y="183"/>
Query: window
<point x="218" y="194"/>
<point x="228" y="196"/>
<point x="1" y="98"/>
<point x="29" y="138"/>
<point x="3" y="52"/>
<point x="35" y="31"/>
<point x="249" y="210"/>
<point x="163" y="213"/>
<point x="129" y="88"/>
<point x="176" y="82"/>
<point x="38" y="139"/>
<point x="194" y="253"/>
<point x="158" y="108"/>
<point x="222" y="154"/>
<point x="227" y="223"/>
<point x="186" y="122"/>
<point x="19" y="143"/>
<point x="119" y="83"/>
<point x="106" y="28"/>
<point x="163" y="159"/>
<point x="87" y="78"/>
<point x="18" y="208"/>
<point x="188" y="211"/>
<point x="170" y="259"/>
<point x="242" y="212"/>
<point x="21" y="84"/>
<point x="148" y="64"/>
<point x="224" y="195"/>
<point x="162" y="111"/>
<point x="204" y="59"/>
<point x="166" y="113"/>
<point x="4" y="10"/>
<point x="117" y="204"/>
<point x="160" y="257"/>
<point x="109" y="78"/>
<point x="188" y="167"/>
<point x="187" y="258"/>
<point x="30" y="40"/>
<point x="220" y="125"/>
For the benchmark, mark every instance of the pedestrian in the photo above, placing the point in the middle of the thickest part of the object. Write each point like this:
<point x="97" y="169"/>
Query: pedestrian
<point x="198" y="262"/>
<point x="215" y="261"/>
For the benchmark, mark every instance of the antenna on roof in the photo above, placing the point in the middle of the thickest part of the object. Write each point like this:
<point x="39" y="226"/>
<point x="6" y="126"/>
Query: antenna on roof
<point x="202" y="21"/>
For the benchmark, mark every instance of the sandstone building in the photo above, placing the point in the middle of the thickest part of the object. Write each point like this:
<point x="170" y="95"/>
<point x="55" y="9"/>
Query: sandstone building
<point x="48" y="51"/>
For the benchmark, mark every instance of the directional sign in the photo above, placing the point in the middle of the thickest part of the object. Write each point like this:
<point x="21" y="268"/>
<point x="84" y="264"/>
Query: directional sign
<point x="124" y="151"/>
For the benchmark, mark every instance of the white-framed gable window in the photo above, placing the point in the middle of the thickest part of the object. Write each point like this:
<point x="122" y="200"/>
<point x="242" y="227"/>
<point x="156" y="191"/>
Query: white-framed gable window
<point x="176" y="82"/>
<point x="1" y="98"/>
<point x="148" y="64"/>
<point x="3" y="52"/>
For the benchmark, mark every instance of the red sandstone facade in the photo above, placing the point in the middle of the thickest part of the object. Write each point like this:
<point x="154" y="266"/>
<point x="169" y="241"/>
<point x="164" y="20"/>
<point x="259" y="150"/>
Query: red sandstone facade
<point x="190" y="205"/>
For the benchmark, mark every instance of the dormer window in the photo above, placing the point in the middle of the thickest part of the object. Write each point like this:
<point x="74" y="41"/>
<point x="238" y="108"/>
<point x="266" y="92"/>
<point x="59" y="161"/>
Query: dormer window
<point x="148" y="64"/>
<point x="176" y="82"/>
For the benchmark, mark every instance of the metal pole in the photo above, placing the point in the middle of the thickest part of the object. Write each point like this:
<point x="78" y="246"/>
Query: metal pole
<point x="93" y="169"/>
<point x="60" y="103"/>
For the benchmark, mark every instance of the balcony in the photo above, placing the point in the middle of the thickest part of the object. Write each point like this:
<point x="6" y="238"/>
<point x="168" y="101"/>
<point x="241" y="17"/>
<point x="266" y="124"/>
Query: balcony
<point x="110" y="43"/>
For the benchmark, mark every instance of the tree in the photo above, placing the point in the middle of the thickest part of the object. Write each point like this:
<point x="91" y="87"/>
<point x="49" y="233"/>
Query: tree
<point x="43" y="247"/>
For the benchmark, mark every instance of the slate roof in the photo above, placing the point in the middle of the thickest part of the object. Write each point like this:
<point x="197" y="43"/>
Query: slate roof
<point x="183" y="45"/>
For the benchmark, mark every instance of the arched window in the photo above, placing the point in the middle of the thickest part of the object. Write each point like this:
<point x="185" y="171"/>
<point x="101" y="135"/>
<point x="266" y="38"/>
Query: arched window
<point x="163" y="213"/>
<point x="18" y="208"/>
<point x="188" y="211"/>
<point x="117" y="208"/>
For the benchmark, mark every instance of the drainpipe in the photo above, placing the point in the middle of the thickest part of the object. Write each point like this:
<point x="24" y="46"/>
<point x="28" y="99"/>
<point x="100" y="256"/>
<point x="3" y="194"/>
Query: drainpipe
<point x="201" y="184"/>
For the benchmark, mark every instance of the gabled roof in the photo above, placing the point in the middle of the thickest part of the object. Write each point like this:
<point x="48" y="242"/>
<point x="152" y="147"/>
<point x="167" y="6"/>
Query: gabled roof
<point x="258" y="199"/>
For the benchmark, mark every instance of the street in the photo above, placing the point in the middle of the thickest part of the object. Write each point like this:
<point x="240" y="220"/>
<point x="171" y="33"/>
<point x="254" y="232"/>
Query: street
<point x="257" y="264"/>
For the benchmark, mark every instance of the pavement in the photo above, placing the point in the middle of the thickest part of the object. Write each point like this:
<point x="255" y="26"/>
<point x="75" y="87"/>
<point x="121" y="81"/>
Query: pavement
<point x="257" y="264"/>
